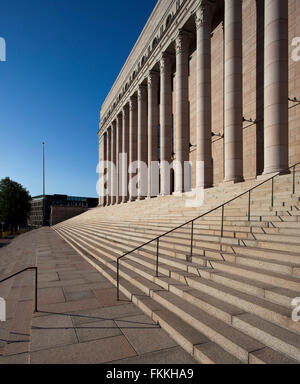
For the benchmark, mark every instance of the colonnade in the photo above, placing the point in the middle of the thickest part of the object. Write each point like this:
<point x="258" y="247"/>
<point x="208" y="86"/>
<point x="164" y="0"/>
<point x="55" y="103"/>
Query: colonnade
<point x="135" y="129"/>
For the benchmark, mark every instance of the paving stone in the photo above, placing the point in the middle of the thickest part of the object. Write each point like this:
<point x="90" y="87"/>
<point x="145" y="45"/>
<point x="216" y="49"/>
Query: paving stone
<point x="51" y="331"/>
<point x="87" y="286"/>
<point x="50" y="296"/>
<point x="97" y="330"/>
<point x="175" y="355"/>
<point x="80" y="295"/>
<point x="47" y="277"/>
<point x="22" y="358"/>
<point x="144" y="335"/>
<point x="69" y="275"/>
<point x="112" y="313"/>
<point x="108" y="297"/>
<point x="65" y="283"/>
<point x="93" y="277"/>
<point x="70" y="306"/>
<point x="93" y="352"/>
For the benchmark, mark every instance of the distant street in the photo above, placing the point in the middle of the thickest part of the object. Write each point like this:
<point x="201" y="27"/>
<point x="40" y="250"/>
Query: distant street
<point x="6" y="241"/>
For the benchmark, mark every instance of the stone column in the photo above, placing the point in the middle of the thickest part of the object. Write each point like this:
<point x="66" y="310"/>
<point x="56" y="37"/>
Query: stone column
<point x="153" y="121"/>
<point x="119" y="135"/>
<point x="113" y="163"/>
<point x="142" y="138"/>
<point x="105" y="163"/>
<point x="100" y="169"/>
<point x="204" y="172"/>
<point x="182" y="107"/>
<point x="133" y="123"/>
<point x="276" y="87"/>
<point x="108" y="158"/>
<point x="233" y="91"/>
<point x="165" y="122"/>
<point x="125" y="151"/>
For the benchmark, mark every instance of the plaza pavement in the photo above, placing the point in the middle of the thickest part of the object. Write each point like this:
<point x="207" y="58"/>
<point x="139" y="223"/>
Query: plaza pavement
<point x="79" y="319"/>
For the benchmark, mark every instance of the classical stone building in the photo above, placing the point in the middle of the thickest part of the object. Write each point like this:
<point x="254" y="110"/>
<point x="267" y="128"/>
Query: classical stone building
<point x="213" y="82"/>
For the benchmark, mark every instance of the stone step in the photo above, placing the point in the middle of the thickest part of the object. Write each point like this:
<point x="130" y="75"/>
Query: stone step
<point x="215" y="229"/>
<point x="269" y="356"/>
<point x="193" y="341"/>
<point x="261" y="307"/>
<point x="185" y="233"/>
<point x="238" y="251"/>
<point x="269" y="265"/>
<point x="232" y="339"/>
<point x="229" y="267"/>
<point x="275" y="337"/>
<point x="273" y="278"/>
<point x="256" y="288"/>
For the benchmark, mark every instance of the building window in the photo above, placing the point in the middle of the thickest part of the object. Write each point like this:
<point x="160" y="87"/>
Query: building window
<point x="169" y="19"/>
<point x="155" y="42"/>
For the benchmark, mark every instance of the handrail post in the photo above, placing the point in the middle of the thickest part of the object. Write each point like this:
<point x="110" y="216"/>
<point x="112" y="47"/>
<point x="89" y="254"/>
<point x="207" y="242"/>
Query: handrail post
<point x="157" y="253"/>
<point x="222" y="225"/>
<point x="36" y="289"/>
<point x="272" y="201"/>
<point x="249" y="206"/>
<point x="36" y="282"/>
<point x="192" y="238"/>
<point x="294" y="179"/>
<point x="118" y="282"/>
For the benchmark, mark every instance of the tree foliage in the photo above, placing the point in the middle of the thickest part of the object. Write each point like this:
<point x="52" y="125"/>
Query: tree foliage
<point x="14" y="203"/>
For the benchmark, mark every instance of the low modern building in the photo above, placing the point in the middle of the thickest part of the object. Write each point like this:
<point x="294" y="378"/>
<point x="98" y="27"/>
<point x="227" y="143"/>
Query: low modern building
<point x="52" y="209"/>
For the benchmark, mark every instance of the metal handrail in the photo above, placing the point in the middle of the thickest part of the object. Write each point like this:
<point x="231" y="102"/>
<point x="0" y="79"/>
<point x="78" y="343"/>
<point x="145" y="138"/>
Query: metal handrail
<point x="157" y="239"/>
<point x="36" y="281"/>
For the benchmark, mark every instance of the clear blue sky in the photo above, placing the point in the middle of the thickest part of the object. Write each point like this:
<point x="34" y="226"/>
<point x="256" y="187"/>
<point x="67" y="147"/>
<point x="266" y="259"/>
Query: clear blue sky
<point x="62" y="59"/>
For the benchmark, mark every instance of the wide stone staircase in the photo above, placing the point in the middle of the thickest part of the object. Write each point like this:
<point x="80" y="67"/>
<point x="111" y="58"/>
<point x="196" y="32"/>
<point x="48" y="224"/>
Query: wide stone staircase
<point x="226" y="295"/>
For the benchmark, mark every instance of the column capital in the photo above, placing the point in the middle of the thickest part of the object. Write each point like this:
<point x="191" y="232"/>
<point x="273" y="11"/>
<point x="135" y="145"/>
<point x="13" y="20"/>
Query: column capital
<point x="182" y="41"/>
<point x="142" y="92"/>
<point x="153" y="77"/>
<point x="132" y="103"/>
<point x="203" y="13"/>
<point x="165" y="62"/>
<point x="119" y="119"/>
<point x="125" y="111"/>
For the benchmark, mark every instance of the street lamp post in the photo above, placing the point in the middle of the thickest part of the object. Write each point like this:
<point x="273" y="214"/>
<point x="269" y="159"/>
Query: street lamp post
<point x="44" y="186"/>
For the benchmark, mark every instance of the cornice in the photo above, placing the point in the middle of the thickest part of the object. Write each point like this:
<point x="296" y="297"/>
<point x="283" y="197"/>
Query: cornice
<point x="187" y="9"/>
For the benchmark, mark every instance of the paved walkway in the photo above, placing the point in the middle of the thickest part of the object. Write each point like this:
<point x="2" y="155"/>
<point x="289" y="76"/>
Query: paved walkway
<point x="80" y="320"/>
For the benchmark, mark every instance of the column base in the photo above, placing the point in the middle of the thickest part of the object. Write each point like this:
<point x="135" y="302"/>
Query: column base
<point x="177" y="193"/>
<point x="164" y="194"/>
<point x="280" y="171"/>
<point x="205" y="186"/>
<point x="234" y="181"/>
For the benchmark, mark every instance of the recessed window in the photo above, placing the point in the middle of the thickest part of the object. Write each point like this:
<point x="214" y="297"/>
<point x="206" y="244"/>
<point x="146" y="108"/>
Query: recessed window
<point x="169" y="19"/>
<point x="155" y="42"/>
